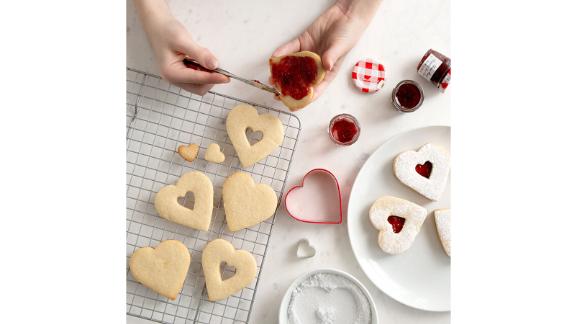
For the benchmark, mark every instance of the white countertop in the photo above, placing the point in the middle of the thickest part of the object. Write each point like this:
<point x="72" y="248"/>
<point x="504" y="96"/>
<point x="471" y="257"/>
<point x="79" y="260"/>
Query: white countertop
<point x="243" y="34"/>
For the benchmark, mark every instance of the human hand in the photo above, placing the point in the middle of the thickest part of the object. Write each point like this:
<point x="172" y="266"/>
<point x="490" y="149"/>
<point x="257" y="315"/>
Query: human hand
<point x="332" y="35"/>
<point x="172" y="43"/>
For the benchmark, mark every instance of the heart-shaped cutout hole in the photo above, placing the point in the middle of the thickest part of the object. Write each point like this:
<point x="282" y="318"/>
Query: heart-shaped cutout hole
<point x="227" y="271"/>
<point x="187" y="200"/>
<point x="304" y="249"/>
<point x="316" y="200"/>
<point x="253" y="136"/>
<point x="397" y="223"/>
<point x="425" y="169"/>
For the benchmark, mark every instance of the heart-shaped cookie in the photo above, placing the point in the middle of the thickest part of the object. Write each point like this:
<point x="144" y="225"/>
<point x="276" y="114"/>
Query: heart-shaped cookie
<point x="213" y="154"/>
<point x="426" y="170"/>
<point x="214" y="254"/>
<point x="162" y="269"/>
<point x="242" y="117"/>
<point x="316" y="200"/>
<point x="443" y="218"/>
<point x="245" y="202"/>
<point x="167" y="206"/>
<point x="188" y="152"/>
<point x="398" y="221"/>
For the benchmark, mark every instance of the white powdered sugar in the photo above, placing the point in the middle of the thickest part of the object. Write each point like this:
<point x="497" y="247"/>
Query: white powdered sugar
<point x="413" y="214"/>
<point x="328" y="298"/>
<point x="443" y="219"/>
<point x="432" y="187"/>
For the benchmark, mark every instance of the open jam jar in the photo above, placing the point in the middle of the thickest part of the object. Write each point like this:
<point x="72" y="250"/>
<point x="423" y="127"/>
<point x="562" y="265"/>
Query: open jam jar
<point x="436" y="68"/>
<point x="407" y="96"/>
<point x="344" y="129"/>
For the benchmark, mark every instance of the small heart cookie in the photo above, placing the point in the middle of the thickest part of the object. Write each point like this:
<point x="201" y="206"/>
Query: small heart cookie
<point x="426" y="170"/>
<point x="188" y="152"/>
<point x="214" y="254"/>
<point x="242" y="117"/>
<point x="166" y="201"/>
<point x="245" y="202"/>
<point x="443" y="219"/>
<point x="213" y="154"/>
<point x="399" y="222"/>
<point x="162" y="269"/>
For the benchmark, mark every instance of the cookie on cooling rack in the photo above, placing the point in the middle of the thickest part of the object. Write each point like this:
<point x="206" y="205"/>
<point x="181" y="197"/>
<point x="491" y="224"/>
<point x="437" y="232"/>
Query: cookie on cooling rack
<point x="162" y="269"/>
<point x="213" y="154"/>
<point x="399" y="222"/>
<point x="188" y="152"/>
<point x="443" y="219"/>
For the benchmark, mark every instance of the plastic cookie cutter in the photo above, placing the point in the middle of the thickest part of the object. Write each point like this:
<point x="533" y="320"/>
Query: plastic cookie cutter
<point x="317" y="199"/>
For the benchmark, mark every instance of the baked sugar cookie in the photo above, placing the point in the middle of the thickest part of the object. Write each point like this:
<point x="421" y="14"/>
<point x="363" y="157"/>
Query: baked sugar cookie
<point x="244" y="117"/>
<point x="214" y="254"/>
<point x="245" y="202"/>
<point x="162" y="269"/>
<point x="426" y="170"/>
<point x="295" y="76"/>
<point x="213" y="154"/>
<point x="443" y="219"/>
<point x="167" y="206"/>
<point x="188" y="152"/>
<point x="398" y="221"/>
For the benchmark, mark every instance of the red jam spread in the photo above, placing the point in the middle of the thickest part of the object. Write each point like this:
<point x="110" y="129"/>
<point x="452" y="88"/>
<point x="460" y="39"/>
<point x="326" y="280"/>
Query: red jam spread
<point x="408" y="95"/>
<point x="344" y="130"/>
<point x="294" y="75"/>
<point x="424" y="169"/>
<point x="397" y="223"/>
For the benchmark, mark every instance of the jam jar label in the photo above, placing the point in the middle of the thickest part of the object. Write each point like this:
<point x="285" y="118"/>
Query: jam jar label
<point x="429" y="66"/>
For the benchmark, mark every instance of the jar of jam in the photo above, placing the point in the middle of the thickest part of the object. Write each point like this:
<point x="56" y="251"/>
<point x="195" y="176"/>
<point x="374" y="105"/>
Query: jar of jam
<point x="344" y="129"/>
<point x="436" y="68"/>
<point x="407" y="96"/>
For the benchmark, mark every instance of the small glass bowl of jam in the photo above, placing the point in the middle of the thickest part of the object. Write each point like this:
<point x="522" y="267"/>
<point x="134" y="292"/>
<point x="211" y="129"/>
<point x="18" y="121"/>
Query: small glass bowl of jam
<point x="344" y="129"/>
<point x="407" y="96"/>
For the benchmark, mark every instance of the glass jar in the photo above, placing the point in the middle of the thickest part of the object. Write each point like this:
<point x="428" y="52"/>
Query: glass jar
<point x="436" y="68"/>
<point x="407" y="96"/>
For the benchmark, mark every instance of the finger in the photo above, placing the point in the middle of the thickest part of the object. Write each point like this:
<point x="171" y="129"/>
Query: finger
<point x="334" y="52"/>
<point x="330" y="75"/>
<point x="288" y="48"/>
<point x="201" y="54"/>
<point x="196" y="89"/>
<point x="179" y="73"/>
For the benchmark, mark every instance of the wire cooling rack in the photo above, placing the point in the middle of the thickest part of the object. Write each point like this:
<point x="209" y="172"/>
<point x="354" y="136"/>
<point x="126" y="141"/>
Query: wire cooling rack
<point x="160" y="117"/>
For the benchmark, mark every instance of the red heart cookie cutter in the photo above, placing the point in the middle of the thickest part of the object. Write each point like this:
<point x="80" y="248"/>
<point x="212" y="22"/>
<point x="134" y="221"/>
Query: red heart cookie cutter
<point x="292" y="211"/>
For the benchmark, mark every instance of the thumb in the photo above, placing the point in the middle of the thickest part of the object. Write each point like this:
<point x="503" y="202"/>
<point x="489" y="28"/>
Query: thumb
<point x="201" y="54"/>
<point x="333" y="53"/>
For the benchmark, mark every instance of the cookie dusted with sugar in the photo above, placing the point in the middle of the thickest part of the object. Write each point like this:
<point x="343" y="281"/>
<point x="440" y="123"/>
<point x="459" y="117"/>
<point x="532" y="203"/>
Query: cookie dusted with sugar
<point x="426" y="170"/>
<point x="443" y="219"/>
<point x="399" y="222"/>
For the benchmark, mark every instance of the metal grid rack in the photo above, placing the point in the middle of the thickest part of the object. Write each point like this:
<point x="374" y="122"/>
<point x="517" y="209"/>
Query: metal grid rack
<point x="160" y="117"/>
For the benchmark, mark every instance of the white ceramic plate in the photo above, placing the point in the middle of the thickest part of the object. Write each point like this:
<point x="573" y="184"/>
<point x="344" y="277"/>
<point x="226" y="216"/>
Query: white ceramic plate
<point x="420" y="277"/>
<point x="283" y="313"/>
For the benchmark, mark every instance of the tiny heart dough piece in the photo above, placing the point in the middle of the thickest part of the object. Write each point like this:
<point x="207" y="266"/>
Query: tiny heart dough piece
<point x="213" y="255"/>
<point x="413" y="214"/>
<point x="297" y="72"/>
<point x="245" y="202"/>
<point x="188" y="152"/>
<point x="167" y="206"/>
<point x="431" y="187"/>
<point x="162" y="269"/>
<point x="443" y="219"/>
<point x="213" y="154"/>
<point x="242" y="117"/>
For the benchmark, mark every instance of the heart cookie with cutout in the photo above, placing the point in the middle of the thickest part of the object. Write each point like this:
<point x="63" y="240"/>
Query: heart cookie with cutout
<point x="167" y="206"/>
<point x="443" y="218"/>
<point x="244" y="117"/>
<point x="399" y="222"/>
<point x="162" y="269"/>
<point x="214" y="254"/>
<point x="247" y="203"/>
<point x="426" y="170"/>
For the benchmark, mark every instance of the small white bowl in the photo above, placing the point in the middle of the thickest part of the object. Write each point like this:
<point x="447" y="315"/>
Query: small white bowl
<point x="283" y="313"/>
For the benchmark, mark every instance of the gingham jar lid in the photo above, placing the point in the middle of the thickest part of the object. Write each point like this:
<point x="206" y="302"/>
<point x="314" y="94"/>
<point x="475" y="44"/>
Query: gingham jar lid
<point x="368" y="75"/>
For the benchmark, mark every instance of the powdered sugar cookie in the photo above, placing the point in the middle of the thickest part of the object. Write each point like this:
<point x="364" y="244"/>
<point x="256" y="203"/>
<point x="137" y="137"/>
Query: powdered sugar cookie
<point x="399" y="222"/>
<point x="426" y="170"/>
<point x="213" y="154"/>
<point x="214" y="254"/>
<point x="443" y="219"/>
<point x="162" y="269"/>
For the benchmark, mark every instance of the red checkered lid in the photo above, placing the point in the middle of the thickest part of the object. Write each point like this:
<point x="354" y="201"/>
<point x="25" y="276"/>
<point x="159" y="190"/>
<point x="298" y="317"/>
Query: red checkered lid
<point x="368" y="75"/>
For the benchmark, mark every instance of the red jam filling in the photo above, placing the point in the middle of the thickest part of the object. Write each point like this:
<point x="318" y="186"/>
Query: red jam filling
<point x="294" y="75"/>
<point x="408" y="95"/>
<point x="424" y="169"/>
<point x="344" y="130"/>
<point x="397" y="223"/>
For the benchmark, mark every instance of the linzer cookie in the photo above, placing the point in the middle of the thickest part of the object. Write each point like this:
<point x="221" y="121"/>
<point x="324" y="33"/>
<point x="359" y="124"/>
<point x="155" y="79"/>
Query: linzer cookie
<point x="443" y="219"/>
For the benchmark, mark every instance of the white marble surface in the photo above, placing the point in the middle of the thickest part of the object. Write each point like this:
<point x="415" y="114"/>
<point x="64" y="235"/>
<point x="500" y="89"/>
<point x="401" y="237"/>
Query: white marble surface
<point x="243" y="34"/>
